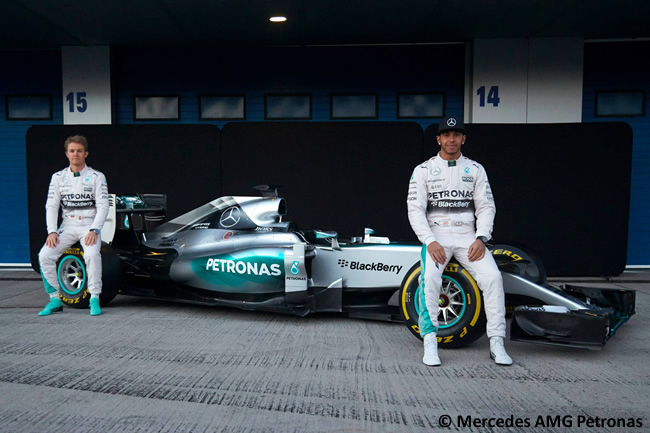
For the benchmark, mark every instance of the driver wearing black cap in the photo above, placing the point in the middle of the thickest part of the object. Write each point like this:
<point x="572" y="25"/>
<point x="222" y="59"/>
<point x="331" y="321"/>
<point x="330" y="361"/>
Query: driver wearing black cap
<point x="451" y="211"/>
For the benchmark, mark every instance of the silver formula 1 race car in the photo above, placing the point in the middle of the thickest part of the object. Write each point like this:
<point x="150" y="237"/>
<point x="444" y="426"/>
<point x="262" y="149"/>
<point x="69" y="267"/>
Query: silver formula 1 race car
<point x="238" y="252"/>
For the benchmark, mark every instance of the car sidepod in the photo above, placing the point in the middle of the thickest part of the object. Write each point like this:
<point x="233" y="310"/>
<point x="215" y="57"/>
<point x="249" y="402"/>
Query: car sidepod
<point x="367" y="275"/>
<point x="245" y="267"/>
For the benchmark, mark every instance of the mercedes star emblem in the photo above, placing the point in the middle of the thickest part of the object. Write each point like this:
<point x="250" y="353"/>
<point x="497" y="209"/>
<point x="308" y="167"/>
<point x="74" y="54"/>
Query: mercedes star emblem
<point x="230" y="217"/>
<point x="451" y="122"/>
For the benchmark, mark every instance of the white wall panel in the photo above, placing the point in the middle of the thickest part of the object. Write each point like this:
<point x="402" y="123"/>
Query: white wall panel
<point x="555" y="80"/>
<point x="86" y="85"/>
<point x="500" y="70"/>
<point x="536" y="80"/>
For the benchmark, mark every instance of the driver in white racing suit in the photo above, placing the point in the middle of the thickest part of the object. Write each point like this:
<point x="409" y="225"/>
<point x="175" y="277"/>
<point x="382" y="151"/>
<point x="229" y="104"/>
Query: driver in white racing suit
<point x="82" y="194"/>
<point x="451" y="211"/>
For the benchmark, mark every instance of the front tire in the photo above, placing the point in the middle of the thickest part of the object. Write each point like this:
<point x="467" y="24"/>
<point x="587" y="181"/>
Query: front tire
<point x="461" y="319"/>
<point x="73" y="277"/>
<point x="517" y="260"/>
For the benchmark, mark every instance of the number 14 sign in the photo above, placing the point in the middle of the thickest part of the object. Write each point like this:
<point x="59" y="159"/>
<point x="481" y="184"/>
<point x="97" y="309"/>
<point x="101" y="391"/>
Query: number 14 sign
<point x="492" y="97"/>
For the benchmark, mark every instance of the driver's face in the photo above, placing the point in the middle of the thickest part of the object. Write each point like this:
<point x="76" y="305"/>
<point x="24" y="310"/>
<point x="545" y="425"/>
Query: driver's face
<point x="76" y="154"/>
<point x="450" y="143"/>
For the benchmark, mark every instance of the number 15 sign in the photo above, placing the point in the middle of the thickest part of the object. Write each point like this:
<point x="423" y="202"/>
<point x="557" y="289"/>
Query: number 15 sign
<point x="86" y="85"/>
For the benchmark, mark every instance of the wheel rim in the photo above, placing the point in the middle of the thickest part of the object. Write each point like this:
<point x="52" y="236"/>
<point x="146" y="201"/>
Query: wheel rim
<point x="72" y="276"/>
<point x="452" y="302"/>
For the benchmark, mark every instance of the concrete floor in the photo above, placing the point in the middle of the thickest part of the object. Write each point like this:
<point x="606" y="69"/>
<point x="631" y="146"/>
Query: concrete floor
<point x="153" y="366"/>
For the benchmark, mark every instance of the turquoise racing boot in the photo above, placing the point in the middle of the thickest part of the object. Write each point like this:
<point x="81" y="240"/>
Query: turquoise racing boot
<point x="95" y="310"/>
<point x="54" y="306"/>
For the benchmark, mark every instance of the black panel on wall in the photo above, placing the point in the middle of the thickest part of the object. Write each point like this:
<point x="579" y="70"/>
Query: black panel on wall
<point x="561" y="189"/>
<point x="181" y="161"/>
<point x="339" y="176"/>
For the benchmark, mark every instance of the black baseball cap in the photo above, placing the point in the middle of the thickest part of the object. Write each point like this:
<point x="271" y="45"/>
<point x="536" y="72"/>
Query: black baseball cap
<point x="451" y="123"/>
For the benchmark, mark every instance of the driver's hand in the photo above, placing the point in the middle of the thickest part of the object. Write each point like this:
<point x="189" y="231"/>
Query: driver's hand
<point x="476" y="251"/>
<point x="52" y="240"/>
<point x="437" y="252"/>
<point x="90" y="239"/>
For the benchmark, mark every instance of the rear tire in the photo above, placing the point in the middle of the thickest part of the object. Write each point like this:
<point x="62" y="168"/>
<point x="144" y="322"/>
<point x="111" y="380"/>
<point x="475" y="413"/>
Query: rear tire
<point x="73" y="277"/>
<point x="461" y="319"/>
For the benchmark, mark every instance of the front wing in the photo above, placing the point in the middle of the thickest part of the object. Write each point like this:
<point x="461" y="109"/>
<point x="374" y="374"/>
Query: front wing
<point x="603" y="313"/>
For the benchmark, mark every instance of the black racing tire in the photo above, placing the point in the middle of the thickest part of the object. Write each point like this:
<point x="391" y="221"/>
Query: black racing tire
<point x="462" y="318"/>
<point x="519" y="260"/>
<point x="73" y="277"/>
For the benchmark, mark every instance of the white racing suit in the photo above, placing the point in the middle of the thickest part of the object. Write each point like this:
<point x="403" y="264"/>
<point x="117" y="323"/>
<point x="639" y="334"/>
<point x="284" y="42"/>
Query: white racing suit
<point x="84" y="202"/>
<point x="453" y="205"/>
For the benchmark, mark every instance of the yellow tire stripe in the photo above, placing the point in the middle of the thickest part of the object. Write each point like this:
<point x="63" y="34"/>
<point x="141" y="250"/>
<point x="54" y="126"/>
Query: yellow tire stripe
<point x="408" y="283"/>
<point x="477" y="295"/>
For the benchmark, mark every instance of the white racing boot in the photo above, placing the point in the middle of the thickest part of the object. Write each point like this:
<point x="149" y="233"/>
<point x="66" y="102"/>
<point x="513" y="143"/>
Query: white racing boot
<point x="431" y="350"/>
<point x="498" y="351"/>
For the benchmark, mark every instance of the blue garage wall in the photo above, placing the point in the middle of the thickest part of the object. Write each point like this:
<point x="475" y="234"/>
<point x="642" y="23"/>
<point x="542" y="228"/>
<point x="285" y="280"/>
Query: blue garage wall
<point x="23" y="73"/>
<point x="623" y="66"/>
<point x="318" y="71"/>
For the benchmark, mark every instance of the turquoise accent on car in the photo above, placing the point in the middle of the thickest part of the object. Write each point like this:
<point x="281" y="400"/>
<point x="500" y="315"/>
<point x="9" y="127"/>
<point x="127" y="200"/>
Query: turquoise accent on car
<point x="240" y="269"/>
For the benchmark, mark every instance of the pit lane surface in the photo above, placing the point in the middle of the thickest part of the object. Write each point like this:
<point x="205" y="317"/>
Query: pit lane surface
<point x="151" y="366"/>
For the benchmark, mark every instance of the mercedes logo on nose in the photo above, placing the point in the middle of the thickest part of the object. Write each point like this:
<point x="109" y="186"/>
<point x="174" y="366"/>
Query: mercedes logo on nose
<point x="451" y="122"/>
<point x="230" y="217"/>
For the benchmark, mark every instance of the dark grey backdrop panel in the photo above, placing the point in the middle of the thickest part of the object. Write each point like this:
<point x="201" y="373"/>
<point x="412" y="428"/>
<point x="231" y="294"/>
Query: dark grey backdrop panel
<point x="561" y="189"/>
<point x="339" y="176"/>
<point x="181" y="161"/>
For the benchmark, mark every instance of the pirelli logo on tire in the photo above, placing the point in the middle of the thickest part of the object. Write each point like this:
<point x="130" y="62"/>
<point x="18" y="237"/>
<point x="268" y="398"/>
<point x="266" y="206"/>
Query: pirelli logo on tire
<point x="503" y="252"/>
<point x="69" y="301"/>
<point x="451" y="267"/>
